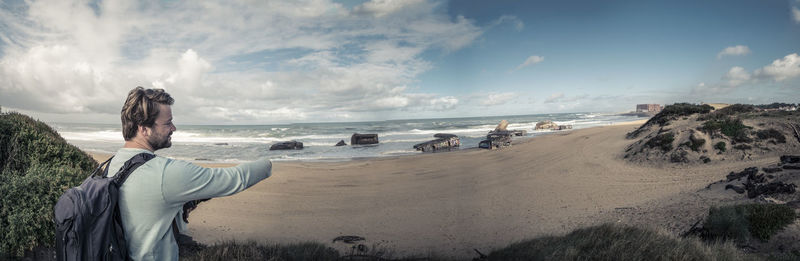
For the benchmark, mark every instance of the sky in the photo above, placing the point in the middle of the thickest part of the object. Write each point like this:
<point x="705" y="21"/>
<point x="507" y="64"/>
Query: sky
<point x="274" y="62"/>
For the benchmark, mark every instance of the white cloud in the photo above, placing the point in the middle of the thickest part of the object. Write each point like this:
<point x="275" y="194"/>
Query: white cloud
<point x="736" y="76"/>
<point x="734" y="51"/>
<point x="510" y="19"/>
<point x="796" y="14"/>
<point x="561" y="98"/>
<point x="493" y="99"/>
<point x="533" y="59"/>
<point x="781" y="69"/>
<point x="555" y="97"/>
<point x="266" y="60"/>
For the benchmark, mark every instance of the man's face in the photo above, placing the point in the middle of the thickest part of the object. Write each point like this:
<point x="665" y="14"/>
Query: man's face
<point x="161" y="132"/>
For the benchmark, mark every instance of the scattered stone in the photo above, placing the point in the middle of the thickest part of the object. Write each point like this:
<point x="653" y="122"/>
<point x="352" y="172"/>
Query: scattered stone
<point x="287" y="145"/>
<point x="738" y="189"/>
<point x="791" y="166"/>
<point x="740" y="175"/>
<point x="221" y="144"/>
<point x="363" y="139"/>
<point x="790" y="159"/>
<point x="772" y="170"/>
<point x="341" y="143"/>
<point x="770" y="188"/>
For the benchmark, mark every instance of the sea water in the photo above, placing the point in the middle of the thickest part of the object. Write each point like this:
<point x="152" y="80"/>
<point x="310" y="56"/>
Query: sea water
<point x="237" y="143"/>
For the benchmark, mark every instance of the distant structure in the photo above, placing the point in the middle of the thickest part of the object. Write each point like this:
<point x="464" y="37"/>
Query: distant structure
<point x="655" y="108"/>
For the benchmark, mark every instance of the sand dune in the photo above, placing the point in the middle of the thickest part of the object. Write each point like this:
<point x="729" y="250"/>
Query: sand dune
<point x="450" y="203"/>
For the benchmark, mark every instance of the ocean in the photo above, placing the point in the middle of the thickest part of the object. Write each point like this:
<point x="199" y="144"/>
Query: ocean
<point x="238" y="143"/>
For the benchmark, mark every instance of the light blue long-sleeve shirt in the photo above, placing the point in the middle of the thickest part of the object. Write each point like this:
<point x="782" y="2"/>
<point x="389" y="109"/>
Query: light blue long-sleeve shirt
<point x="154" y="194"/>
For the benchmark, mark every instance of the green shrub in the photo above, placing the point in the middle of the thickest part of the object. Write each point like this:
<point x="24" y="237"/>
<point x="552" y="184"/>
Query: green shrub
<point x="771" y="134"/>
<point x="733" y="128"/>
<point x="739" y="222"/>
<point x="616" y="242"/>
<point x="253" y="251"/>
<point x="36" y="167"/>
<point x="742" y="147"/>
<point x="671" y="112"/>
<point x="720" y="146"/>
<point x="695" y="143"/>
<point x="662" y="141"/>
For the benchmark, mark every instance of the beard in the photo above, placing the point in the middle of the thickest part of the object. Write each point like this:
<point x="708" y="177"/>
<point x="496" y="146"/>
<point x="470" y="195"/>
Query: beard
<point x="160" y="142"/>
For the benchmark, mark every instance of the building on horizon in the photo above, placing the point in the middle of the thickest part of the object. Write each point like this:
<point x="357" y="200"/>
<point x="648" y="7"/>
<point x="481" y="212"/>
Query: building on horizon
<point x="649" y="108"/>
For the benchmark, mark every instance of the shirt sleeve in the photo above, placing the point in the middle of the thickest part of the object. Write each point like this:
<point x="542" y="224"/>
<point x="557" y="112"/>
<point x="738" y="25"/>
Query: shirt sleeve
<point x="184" y="181"/>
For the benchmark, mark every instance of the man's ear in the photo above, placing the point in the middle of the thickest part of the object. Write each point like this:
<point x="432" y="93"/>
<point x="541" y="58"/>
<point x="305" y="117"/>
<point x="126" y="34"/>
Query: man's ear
<point x="144" y="131"/>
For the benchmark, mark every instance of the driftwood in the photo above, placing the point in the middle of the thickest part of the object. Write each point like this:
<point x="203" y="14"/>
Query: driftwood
<point x="363" y="139"/>
<point x="287" y="145"/>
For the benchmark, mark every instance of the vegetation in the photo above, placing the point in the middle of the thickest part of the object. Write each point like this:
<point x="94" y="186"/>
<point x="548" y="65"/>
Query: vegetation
<point x="663" y="141"/>
<point x="776" y="105"/>
<point x="254" y="251"/>
<point x="733" y="128"/>
<point x="36" y="167"/>
<point x="773" y="134"/>
<point x="740" y="222"/>
<point x="695" y="143"/>
<point x="616" y="242"/>
<point x="671" y="112"/>
<point x="720" y="146"/>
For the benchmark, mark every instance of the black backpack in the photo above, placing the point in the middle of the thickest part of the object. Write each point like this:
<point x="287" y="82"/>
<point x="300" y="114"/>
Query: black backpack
<point x="87" y="217"/>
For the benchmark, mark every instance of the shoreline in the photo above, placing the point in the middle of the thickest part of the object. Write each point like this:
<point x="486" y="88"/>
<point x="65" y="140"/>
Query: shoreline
<point x="101" y="157"/>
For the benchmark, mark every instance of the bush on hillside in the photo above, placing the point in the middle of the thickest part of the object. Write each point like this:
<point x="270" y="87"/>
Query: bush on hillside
<point x="720" y="146"/>
<point x="616" y="242"/>
<point x="671" y="112"/>
<point x="36" y="167"/>
<point x="773" y="134"/>
<point x="730" y="127"/>
<point x="662" y="141"/>
<point x="740" y="222"/>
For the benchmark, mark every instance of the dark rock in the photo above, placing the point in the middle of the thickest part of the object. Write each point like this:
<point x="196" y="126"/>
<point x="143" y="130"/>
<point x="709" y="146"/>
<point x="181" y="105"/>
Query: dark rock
<point x="771" y="188"/>
<point x="771" y="170"/>
<point x="341" y="143"/>
<point x="738" y="189"/>
<point x="287" y="145"/>
<point x="739" y="175"/>
<point x="439" y="144"/>
<point x="790" y="159"/>
<point x="221" y="144"/>
<point x="363" y="139"/>
<point x="488" y="144"/>
<point x="791" y="166"/>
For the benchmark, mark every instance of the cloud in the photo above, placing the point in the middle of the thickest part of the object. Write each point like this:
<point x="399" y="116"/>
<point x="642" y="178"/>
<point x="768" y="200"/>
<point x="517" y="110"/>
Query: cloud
<point x="533" y="59"/>
<point x="561" y="98"/>
<point x="493" y="99"/>
<point x="781" y="69"/>
<point x="736" y="76"/>
<point x="314" y="59"/>
<point x="734" y="51"/>
<point x="796" y="14"/>
<point x="555" y="97"/>
<point x="510" y="19"/>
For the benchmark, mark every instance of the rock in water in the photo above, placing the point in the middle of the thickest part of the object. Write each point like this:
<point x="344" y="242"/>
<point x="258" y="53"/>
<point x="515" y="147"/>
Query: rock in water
<point x="287" y="145"/>
<point x="363" y="139"/>
<point x="341" y="143"/>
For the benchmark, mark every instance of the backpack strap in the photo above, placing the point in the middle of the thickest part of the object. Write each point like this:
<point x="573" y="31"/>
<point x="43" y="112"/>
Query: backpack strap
<point x="130" y="166"/>
<point x="99" y="170"/>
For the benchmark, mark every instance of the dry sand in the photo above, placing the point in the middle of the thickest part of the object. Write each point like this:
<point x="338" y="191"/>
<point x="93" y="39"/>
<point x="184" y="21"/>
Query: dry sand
<point x="451" y="203"/>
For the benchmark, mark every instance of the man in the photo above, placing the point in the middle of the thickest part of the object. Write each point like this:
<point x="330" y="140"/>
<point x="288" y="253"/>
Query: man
<point x="154" y="194"/>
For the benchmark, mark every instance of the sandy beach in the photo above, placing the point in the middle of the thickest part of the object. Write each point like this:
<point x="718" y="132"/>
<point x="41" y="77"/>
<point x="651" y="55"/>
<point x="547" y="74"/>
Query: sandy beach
<point x="451" y="203"/>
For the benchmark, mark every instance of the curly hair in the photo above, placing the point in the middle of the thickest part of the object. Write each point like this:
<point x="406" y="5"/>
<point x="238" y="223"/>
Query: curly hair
<point x="141" y="109"/>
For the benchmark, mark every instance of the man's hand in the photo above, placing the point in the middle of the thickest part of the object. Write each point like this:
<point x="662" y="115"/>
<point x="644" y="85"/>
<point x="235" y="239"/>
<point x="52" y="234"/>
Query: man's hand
<point x="189" y="206"/>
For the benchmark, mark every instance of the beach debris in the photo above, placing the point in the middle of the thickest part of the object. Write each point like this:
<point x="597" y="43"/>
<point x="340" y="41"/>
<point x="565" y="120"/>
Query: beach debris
<point x="790" y="159"/>
<point x="349" y="239"/>
<point x="444" y="141"/>
<point x="341" y="143"/>
<point x="287" y="145"/>
<point x="363" y="139"/>
<point x="550" y="125"/>
<point x="743" y="173"/>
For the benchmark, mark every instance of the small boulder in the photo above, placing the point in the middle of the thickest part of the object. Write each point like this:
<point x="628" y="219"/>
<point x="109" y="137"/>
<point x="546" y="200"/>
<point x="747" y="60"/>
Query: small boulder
<point x="341" y="143"/>
<point x="738" y="189"/>
<point x="287" y="145"/>
<point x="545" y="125"/>
<point x="363" y="139"/>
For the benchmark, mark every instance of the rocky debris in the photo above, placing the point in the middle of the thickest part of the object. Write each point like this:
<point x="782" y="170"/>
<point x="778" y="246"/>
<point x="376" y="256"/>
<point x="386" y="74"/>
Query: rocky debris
<point x="549" y="125"/>
<point x="768" y="200"/>
<point x="444" y="142"/>
<point x="738" y="189"/>
<point x="739" y="175"/>
<point x="341" y="143"/>
<point x="772" y="169"/>
<point x="543" y="125"/>
<point x="287" y="145"/>
<point x="791" y="166"/>
<point x="790" y="159"/>
<point x="363" y="139"/>
<point x="754" y="190"/>
<point x="496" y="139"/>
